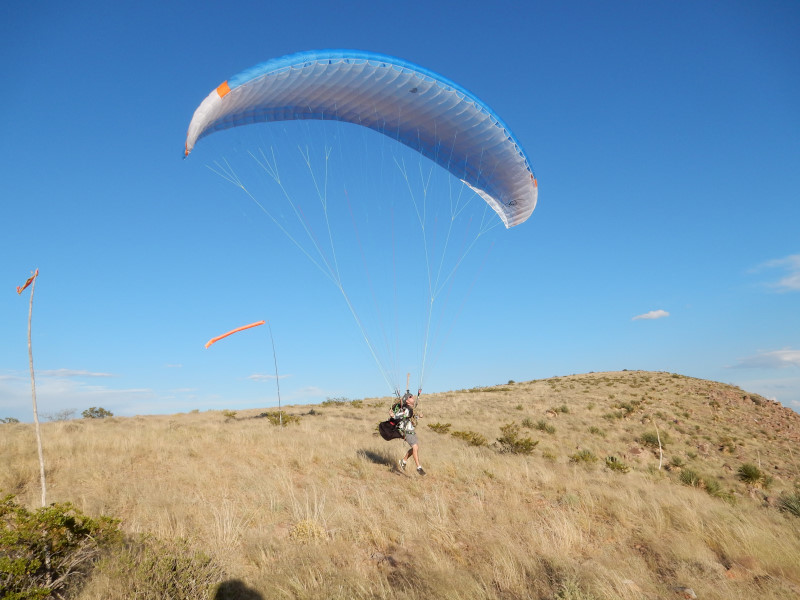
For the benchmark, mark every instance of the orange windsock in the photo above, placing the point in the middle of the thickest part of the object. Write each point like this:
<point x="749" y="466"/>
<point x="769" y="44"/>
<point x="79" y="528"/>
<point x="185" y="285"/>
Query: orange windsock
<point x="232" y="331"/>
<point x="27" y="283"/>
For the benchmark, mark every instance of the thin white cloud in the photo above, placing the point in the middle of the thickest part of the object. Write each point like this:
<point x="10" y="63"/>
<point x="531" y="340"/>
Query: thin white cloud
<point x="773" y="359"/>
<point x="653" y="314"/>
<point x="309" y="393"/>
<point x="264" y="377"/>
<point x="790" y="265"/>
<point x="784" y="390"/>
<point x="60" y="393"/>
<point x="71" y="373"/>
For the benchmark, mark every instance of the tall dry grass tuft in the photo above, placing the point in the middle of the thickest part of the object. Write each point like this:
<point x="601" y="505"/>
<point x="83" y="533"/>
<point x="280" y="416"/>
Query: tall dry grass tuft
<point x="317" y="509"/>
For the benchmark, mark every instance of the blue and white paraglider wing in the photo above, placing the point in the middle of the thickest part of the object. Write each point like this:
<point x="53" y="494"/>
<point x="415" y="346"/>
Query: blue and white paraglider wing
<point x="408" y="103"/>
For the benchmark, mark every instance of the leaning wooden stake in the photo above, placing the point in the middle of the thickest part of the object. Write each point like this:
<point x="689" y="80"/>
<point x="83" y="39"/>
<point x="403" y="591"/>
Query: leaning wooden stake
<point x="660" y="451"/>
<point x="277" y="378"/>
<point x="32" y="282"/>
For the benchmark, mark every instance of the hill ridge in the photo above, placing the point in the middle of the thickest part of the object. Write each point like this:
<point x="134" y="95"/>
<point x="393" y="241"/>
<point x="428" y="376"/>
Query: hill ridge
<point x="632" y="488"/>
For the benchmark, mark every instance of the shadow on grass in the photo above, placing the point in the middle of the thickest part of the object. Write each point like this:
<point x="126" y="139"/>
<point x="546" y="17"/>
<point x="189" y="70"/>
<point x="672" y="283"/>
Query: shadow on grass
<point x="378" y="458"/>
<point x="236" y="590"/>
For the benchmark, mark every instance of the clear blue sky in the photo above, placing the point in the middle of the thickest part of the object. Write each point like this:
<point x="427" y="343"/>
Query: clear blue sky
<point x="665" y="137"/>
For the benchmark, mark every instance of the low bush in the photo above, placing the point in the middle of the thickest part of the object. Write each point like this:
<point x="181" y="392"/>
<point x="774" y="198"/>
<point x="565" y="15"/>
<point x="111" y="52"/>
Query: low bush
<point x="147" y="567"/>
<point x="714" y="488"/>
<point x="613" y="463"/>
<point x="610" y="416"/>
<point x="727" y="444"/>
<point x="653" y="439"/>
<point x="677" y="462"/>
<point x="280" y="418"/>
<point x="471" y="437"/>
<point x="750" y="474"/>
<point x="340" y="401"/>
<point x="96" y="412"/>
<point x="583" y="457"/>
<point x="440" y="427"/>
<point x="511" y="442"/>
<point x="48" y="551"/>
<point x="790" y="503"/>
<point x="489" y="389"/>
<point x="545" y="426"/>
<point x="690" y="478"/>
<point x="628" y="408"/>
<point x="307" y="531"/>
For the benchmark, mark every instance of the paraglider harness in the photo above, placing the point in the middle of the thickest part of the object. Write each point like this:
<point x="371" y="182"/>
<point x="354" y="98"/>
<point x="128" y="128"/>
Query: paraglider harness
<point x="391" y="429"/>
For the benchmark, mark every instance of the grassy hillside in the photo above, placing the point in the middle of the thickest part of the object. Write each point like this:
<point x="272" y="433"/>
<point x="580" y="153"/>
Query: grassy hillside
<point x="317" y="508"/>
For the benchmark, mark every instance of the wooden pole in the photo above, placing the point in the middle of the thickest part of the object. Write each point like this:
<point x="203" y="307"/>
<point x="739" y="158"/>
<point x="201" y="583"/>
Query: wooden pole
<point x="660" y="451"/>
<point x="277" y="379"/>
<point x="33" y="394"/>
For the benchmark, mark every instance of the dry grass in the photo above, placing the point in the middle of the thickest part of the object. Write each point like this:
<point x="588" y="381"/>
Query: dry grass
<point x="317" y="510"/>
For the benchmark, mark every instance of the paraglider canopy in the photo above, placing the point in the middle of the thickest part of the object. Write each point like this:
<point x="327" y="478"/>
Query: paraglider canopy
<point x="357" y="151"/>
<point x="411" y="104"/>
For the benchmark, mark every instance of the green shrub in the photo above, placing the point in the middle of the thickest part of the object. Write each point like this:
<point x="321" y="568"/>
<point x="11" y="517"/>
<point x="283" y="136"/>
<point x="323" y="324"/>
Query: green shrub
<point x="47" y="551"/>
<point x="613" y="463"/>
<point x="229" y="415"/>
<point x="597" y="431"/>
<point x="677" y="461"/>
<point x="471" y="437"/>
<point x="790" y="503"/>
<point x="96" y="412"/>
<point x="571" y="590"/>
<point x="628" y="408"/>
<point x="713" y="487"/>
<point x="344" y="401"/>
<point x="690" y="478"/>
<point x="652" y="438"/>
<point x="148" y="567"/>
<point x="9" y="420"/>
<point x="440" y="427"/>
<point x="489" y="389"/>
<point x="512" y="443"/>
<point x="545" y="426"/>
<point x="280" y="418"/>
<point x="336" y="401"/>
<point x="583" y="456"/>
<point x="751" y="474"/>
<point x="727" y="444"/>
